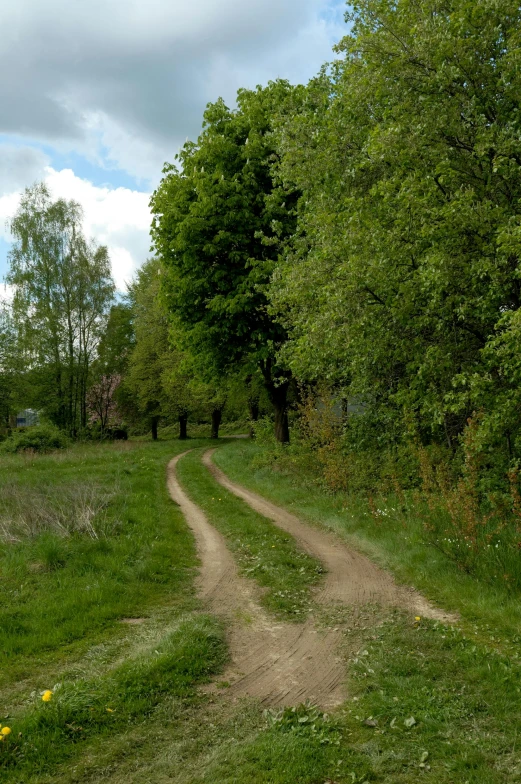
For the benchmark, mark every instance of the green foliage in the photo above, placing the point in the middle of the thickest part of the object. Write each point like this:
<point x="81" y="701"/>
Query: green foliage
<point x="40" y="438"/>
<point x="305" y="720"/>
<point x="156" y="379"/>
<point x="403" y="282"/>
<point x="63" y="290"/>
<point x="220" y="220"/>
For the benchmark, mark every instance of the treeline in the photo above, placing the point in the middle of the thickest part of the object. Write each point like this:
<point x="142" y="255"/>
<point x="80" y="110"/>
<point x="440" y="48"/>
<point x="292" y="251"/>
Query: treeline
<point x="363" y="233"/>
<point x="90" y="363"/>
<point x="354" y="240"/>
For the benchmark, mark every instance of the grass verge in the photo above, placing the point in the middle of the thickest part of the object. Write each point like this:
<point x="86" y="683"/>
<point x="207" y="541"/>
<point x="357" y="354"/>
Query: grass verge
<point x="263" y="551"/>
<point x="59" y="588"/>
<point x="426" y="704"/>
<point x="49" y="732"/>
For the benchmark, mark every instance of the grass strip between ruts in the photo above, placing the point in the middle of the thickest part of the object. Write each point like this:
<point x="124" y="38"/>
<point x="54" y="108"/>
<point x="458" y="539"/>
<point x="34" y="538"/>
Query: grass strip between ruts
<point x="263" y="551"/>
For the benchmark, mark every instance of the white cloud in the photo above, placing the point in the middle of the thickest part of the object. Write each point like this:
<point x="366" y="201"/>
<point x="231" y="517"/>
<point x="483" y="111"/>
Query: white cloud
<point x="116" y="217"/>
<point x="127" y="80"/>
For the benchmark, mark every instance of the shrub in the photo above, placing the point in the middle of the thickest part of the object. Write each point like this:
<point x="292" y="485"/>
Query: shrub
<point x="42" y="438"/>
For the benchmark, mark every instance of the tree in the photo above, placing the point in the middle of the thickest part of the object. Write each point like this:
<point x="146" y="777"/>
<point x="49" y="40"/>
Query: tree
<point x="7" y="367"/>
<point x="220" y="219"/>
<point x="110" y="366"/>
<point x="155" y="374"/>
<point x="62" y="293"/>
<point x="407" y="256"/>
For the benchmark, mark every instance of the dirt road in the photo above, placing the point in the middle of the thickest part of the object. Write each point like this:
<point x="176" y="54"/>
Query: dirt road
<point x="282" y="663"/>
<point x="279" y="663"/>
<point x="351" y="577"/>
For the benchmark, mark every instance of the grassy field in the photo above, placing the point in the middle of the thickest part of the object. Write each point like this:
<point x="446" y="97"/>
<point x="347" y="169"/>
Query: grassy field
<point x="89" y="543"/>
<point x="427" y="701"/>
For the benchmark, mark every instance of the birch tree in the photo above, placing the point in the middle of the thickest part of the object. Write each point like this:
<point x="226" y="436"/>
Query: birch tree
<point x="63" y="290"/>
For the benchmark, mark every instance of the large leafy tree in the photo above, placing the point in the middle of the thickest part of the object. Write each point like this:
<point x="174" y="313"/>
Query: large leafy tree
<point x="8" y="368"/>
<point x="220" y="218"/>
<point x="406" y="271"/>
<point x="63" y="290"/>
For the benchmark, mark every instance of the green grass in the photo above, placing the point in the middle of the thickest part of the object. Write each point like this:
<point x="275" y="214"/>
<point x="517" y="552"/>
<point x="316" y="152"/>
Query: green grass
<point x="463" y="695"/>
<point x="57" y="591"/>
<point x="491" y="612"/>
<point x="49" y="732"/>
<point x="263" y="551"/>
<point x="464" y="700"/>
<point x="63" y="598"/>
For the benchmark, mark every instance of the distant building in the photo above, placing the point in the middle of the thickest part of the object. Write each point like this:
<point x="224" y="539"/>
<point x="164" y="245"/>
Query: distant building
<point x="27" y="418"/>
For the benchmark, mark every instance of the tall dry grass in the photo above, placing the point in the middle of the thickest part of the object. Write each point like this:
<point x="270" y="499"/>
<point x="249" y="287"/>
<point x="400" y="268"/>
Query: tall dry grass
<point x="79" y="508"/>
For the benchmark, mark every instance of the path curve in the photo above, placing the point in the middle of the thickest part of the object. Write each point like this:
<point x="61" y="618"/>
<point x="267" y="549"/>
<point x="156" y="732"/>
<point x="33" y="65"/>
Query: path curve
<point x="279" y="663"/>
<point x="351" y="578"/>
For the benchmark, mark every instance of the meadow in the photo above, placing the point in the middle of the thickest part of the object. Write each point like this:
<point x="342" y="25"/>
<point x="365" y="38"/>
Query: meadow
<point x="99" y="607"/>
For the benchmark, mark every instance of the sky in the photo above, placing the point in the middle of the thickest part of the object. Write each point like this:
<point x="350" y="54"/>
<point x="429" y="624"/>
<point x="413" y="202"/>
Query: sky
<point x="96" y="96"/>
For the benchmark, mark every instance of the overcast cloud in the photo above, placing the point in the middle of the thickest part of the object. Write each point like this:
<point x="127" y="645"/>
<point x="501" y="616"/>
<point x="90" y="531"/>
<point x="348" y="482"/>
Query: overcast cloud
<point x="120" y="84"/>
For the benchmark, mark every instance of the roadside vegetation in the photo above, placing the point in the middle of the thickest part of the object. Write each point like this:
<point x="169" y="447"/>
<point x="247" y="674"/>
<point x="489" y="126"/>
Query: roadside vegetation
<point x="424" y="697"/>
<point x="392" y="529"/>
<point x="89" y="541"/>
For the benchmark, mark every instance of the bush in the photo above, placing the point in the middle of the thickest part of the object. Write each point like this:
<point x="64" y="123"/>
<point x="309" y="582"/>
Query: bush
<point x="42" y="438"/>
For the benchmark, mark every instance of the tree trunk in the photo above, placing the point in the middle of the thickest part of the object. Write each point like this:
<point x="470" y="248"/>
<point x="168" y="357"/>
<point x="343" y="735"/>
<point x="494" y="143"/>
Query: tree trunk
<point x="281" y="425"/>
<point x="216" y="421"/>
<point x="183" y="423"/>
<point x="155" y="422"/>
<point x="254" y="415"/>
<point x="278" y="396"/>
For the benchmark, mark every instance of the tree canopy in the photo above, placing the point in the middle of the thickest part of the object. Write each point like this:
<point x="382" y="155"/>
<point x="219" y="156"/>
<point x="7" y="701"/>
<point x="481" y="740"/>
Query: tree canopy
<point x="220" y="218"/>
<point x="403" y="280"/>
<point x="63" y="290"/>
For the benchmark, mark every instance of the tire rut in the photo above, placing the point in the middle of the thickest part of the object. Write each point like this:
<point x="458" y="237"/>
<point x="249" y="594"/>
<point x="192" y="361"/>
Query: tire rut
<point x="351" y="578"/>
<point x="279" y="663"/>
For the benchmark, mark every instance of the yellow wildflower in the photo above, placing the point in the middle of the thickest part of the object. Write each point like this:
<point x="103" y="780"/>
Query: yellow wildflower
<point x="110" y="710"/>
<point x="46" y="696"/>
<point x="417" y="618"/>
<point x="5" y="731"/>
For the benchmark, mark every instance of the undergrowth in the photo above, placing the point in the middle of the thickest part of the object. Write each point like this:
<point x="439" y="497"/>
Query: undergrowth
<point x="471" y="516"/>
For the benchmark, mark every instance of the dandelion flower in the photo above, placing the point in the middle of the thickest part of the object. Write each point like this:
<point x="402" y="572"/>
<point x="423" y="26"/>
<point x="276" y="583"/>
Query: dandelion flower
<point x="5" y="731"/>
<point x="46" y="696"/>
<point x="417" y="618"/>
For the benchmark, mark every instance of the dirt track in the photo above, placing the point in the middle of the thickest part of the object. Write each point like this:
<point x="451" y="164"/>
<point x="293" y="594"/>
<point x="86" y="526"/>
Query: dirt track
<point x="351" y="577"/>
<point x="281" y="663"/>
